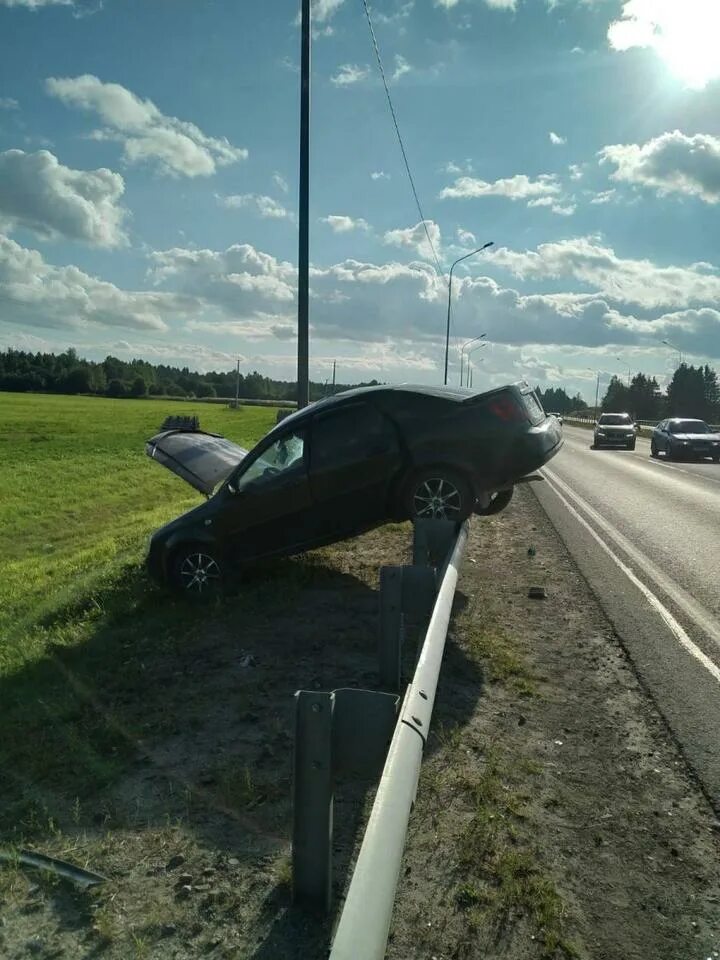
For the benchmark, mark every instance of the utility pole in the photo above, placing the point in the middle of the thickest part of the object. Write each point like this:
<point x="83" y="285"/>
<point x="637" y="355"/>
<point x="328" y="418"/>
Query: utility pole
<point x="303" y="361"/>
<point x="333" y="387"/>
<point x="237" y="386"/>
<point x="597" y="394"/>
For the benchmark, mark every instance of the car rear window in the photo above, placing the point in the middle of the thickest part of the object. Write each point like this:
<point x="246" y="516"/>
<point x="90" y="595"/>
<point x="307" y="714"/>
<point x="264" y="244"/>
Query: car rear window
<point x="689" y="426"/>
<point x="615" y="419"/>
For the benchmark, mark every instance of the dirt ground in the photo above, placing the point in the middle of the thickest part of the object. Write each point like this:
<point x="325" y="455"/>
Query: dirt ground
<point x="555" y="816"/>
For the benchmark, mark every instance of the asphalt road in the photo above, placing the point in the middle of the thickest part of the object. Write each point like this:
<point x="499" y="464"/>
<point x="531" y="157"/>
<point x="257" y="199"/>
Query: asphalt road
<point x="646" y="535"/>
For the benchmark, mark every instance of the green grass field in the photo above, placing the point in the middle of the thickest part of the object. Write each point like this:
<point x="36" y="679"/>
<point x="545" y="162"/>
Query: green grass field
<point x="78" y="500"/>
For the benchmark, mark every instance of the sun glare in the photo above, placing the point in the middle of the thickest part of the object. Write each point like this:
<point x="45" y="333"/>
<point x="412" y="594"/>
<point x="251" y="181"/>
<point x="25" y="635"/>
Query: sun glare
<point x="685" y="33"/>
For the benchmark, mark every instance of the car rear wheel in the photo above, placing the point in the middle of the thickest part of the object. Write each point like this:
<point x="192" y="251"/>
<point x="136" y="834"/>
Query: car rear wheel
<point x="197" y="572"/>
<point x="438" y="494"/>
<point x="497" y="503"/>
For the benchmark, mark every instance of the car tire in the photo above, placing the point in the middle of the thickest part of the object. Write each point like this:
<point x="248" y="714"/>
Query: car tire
<point x="497" y="503"/>
<point x="594" y="446"/>
<point x="631" y="446"/>
<point x="438" y="493"/>
<point x="196" y="572"/>
<point x="653" y="449"/>
<point x="716" y="458"/>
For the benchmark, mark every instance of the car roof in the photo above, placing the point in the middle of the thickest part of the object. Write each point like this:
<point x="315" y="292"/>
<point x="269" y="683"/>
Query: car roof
<point x="450" y="394"/>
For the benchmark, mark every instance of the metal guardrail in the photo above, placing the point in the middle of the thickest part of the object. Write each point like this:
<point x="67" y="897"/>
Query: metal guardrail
<point x="364" y="924"/>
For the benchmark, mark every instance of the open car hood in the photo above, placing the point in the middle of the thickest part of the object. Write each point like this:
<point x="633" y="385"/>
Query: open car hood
<point x="202" y="459"/>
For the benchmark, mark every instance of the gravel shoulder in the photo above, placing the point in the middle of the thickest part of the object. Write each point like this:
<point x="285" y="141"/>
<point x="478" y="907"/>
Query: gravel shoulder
<point x="555" y="817"/>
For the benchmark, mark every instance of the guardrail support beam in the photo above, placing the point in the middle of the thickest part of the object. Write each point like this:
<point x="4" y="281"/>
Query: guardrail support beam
<point x="344" y="733"/>
<point x="407" y="595"/>
<point x="432" y="541"/>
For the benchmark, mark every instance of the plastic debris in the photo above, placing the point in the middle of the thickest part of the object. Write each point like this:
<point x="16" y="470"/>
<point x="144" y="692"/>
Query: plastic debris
<point x="537" y="593"/>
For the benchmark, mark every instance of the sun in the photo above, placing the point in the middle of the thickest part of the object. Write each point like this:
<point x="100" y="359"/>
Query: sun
<point x="685" y="33"/>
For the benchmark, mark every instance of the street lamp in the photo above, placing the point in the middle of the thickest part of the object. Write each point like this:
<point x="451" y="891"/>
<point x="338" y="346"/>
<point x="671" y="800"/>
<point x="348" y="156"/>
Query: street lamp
<point x="673" y="347"/>
<point x="470" y="370"/>
<point x="462" y="353"/>
<point x="597" y="390"/>
<point x="629" y="370"/>
<point x="447" y="330"/>
<point x="470" y="352"/>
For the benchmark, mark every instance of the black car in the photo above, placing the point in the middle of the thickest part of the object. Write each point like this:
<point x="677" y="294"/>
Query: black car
<point x="614" y="430"/>
<point x="344" y="465"/>
<point x="680" y="439"/>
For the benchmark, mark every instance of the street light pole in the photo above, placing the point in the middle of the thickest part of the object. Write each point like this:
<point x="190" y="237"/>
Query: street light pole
<point x="303" y="360"/>
<point x="673" y="347"/>
<point x="462" y="353"/>
<point x="597" y="394"/>
<point x="447" y="329"/>
<point x="620" y="360"/>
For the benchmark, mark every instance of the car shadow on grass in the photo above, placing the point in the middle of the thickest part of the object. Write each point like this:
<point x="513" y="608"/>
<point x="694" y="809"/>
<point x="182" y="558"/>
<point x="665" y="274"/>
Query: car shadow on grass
<point x="151" y="719"/>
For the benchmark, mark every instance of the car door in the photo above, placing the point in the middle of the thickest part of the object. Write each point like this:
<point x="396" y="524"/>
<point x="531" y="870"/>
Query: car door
<point x="268" y="502"/>
<point x="355" y="453"/>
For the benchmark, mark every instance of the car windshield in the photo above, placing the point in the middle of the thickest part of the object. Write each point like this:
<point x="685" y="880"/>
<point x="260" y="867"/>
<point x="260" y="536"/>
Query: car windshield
<point x="285" y="453"/>
<point x="689" y="426"/>
<point x="615" y="420"/>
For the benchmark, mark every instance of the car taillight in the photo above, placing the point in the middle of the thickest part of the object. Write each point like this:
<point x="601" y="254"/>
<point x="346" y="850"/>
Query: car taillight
<point x="508" y="409"/>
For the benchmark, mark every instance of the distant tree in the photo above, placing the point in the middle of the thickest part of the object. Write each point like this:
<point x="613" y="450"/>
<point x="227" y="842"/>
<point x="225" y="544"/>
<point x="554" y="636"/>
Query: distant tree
<point x="138" y="388"/>
<point x="116" y="388"/>
<point x="617" y="397"/>
<point x="203" y="389"/>
<point x="686" y="393"/>
<point x="644" y="398"/>
<point x="76" y="380"/>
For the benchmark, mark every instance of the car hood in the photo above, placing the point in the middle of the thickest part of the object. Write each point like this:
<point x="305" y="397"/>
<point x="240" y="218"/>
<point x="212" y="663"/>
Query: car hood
<point x="202" y="459"/>
<point x="620" y="427"/>
<point x="697" y="436"/>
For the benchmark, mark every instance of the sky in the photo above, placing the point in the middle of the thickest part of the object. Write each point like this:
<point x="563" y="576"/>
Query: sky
<point x="148" y="185"/>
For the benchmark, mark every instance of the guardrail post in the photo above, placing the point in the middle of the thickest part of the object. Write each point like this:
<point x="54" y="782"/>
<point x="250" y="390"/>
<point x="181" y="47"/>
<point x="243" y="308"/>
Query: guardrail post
<point x="391" y="626"/>
<point x="344" y="733"/>
<point x="407" y="595"/>
<point x="432" y="541"/>
<point x="312" y="800"/>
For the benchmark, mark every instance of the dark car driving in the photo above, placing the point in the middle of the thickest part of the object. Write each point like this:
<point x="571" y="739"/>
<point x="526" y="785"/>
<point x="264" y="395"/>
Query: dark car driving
<point x="679" y="438"/>
<point x="344" y="465"/>
<point x="614" y="430"/>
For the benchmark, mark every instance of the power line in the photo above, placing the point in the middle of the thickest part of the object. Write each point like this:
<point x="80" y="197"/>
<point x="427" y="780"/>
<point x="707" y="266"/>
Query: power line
<point x="400" y="140"/>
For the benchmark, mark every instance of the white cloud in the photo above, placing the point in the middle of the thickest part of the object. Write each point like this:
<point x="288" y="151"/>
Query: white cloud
<point x="576" y="171"/>
<point x="465" y="237"/>
<point x="40" y="194"/>
<point x="266" y="207"/>
<point x="683" y="33"/>
<point x="493" y="4"/>
<point x="36" y="4"/>
<point x="605" y="196"/>
<point x="324" y="10"/>
<point x="519" y="187"/>
<point x="343" y="224"/>
<point x="175" y="146"/>
<point x="416" y="238"/>
<point x="563" y="210"/>
<point x="626" y="281"/>
<point x="37" y="294"/>
<point x="280" y="182"/>
<point x="556" y="139"/>
<point x="379" y="175"/>
<point x="671" y="163"/>
<point x="401" y="67"/>
<point x="8" y="103"/>
<point x="350" y="73"/>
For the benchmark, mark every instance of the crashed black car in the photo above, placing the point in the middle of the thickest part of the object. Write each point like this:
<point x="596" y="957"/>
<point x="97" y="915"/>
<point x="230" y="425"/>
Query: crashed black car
<point x="342" y="466"/>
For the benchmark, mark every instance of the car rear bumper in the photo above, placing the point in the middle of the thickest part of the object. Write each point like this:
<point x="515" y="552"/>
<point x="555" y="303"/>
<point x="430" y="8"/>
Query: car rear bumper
<point x="530" y="452"/>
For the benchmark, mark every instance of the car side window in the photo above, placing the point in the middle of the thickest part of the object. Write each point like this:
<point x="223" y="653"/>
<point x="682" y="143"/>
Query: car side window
<point x="282" y="458"/>
<point x="349" y="435"/>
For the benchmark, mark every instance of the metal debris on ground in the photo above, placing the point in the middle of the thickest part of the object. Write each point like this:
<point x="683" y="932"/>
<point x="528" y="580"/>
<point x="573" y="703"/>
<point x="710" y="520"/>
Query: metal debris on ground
<point x="26" y="858"/>
<point x="537" y="593"/>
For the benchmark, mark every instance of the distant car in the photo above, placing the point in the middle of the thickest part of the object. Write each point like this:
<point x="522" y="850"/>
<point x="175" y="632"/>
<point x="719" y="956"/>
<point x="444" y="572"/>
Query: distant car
<point x="681" y="439"/>
<point x="614" y="430"/>
<point x="558" y="416"/>
<point x="343" y="465"/>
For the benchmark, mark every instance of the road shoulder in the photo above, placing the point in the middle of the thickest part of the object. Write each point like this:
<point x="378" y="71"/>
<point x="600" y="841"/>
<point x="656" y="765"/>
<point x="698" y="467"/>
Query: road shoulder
<point x="555" y="816"/>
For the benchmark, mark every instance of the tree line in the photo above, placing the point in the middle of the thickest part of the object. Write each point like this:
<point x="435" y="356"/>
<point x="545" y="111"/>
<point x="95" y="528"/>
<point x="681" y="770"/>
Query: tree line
<point x="692" y="392"/>
<point x="22" y="371"/>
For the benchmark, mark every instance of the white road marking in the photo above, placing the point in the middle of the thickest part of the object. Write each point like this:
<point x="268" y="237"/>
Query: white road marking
<point x="556" y="484"/>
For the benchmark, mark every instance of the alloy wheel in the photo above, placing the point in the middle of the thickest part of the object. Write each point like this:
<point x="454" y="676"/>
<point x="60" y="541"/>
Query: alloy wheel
<point x="199" y="573"/>
<point x="437" y="498"/>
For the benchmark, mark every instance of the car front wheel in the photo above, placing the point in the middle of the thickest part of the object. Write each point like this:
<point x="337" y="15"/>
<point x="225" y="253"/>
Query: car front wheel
<point x="197" y="572"/>
<point x="438" y="494"/>
<point x="653" y="449"/>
